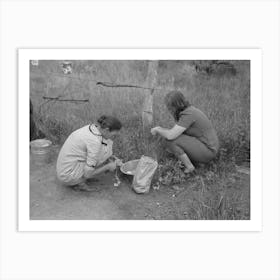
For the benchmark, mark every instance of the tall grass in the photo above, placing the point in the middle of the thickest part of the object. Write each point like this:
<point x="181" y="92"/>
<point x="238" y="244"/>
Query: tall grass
<point x="225" y="100"/>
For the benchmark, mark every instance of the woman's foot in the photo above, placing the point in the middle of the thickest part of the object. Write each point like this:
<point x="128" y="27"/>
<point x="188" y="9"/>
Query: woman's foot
<point x="189" y="170"/>
<point x="92" y="180"/>
<point x="83" y="187"/>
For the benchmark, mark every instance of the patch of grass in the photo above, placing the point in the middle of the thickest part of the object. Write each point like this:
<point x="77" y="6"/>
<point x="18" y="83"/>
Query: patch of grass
<point x="213" y="192"/>
<point x="223" y="195"/>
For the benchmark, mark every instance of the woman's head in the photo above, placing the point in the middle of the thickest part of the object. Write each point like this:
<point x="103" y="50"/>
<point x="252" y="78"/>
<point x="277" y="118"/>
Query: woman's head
<point x="176" y="103"/>
<point x="109" y="125"/>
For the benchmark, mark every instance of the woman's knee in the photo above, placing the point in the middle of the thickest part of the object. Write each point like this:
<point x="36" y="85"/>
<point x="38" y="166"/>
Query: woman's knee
<point x="173" y="147"/>
<point x="202" y="156"/>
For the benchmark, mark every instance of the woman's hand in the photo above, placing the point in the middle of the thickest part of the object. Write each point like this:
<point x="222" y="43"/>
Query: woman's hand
<point x="119" y="162"/>
<point x="154" y="130"/>
<point x="112" y="166"/>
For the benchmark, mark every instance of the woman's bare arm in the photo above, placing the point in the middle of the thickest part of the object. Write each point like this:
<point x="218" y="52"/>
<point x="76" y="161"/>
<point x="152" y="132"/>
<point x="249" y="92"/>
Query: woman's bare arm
<point x="90" y="172"/>
<point x="169" y="134"/>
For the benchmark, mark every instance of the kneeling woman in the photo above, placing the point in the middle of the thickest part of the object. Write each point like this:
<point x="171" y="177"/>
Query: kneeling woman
<point x="193" y="138"/>
<point x="85" y="150"/>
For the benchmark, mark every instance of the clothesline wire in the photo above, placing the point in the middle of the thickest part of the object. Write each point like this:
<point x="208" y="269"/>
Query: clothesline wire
<point x="102" y="83"/>
<point x="97" y="82"/>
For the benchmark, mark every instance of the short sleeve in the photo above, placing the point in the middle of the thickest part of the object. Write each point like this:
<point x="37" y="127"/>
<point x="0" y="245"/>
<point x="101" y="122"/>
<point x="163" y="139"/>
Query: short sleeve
<point x="93" y="149"/>
<point x="186" y="120"/>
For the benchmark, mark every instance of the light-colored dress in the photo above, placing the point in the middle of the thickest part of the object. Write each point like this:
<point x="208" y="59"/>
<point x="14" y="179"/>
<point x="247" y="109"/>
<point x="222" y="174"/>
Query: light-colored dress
<point x="84" y="146"/>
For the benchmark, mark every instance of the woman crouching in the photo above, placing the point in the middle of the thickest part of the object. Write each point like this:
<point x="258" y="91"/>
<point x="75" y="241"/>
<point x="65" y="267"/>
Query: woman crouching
<point x="85" y="150"/>
<point x="193" y="138"/>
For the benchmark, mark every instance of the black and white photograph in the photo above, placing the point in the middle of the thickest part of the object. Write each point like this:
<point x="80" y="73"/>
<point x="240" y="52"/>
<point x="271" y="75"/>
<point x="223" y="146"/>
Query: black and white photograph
<point x="140" y="139"/>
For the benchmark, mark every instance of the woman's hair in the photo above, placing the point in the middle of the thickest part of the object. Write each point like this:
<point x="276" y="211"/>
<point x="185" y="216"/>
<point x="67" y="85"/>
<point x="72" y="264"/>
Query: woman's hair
<point x="109" y="122"/>
<point x="176" y="103"/>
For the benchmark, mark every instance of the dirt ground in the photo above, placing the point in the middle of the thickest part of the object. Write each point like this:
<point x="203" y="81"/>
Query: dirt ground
<point x="49" y="200"/>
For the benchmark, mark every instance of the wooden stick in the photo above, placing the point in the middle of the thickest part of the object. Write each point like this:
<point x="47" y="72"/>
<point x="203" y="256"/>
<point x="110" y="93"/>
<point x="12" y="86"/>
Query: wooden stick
<point x="106" y="84"/>
<point x="68" y="100"/>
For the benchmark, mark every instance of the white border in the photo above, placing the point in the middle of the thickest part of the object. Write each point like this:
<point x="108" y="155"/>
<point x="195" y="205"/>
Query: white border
<point x="254" y="55"/>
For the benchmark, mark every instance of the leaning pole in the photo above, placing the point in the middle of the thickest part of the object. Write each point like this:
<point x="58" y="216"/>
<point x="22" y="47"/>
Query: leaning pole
<point x="147" y="109"/>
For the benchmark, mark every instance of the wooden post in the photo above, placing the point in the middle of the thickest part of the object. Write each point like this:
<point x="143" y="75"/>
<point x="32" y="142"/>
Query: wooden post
<point x="147" y="110"/>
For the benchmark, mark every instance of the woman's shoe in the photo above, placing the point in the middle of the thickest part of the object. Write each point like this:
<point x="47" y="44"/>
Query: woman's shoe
<point x="84" y="187"/>
<point x="188" y="171"/>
